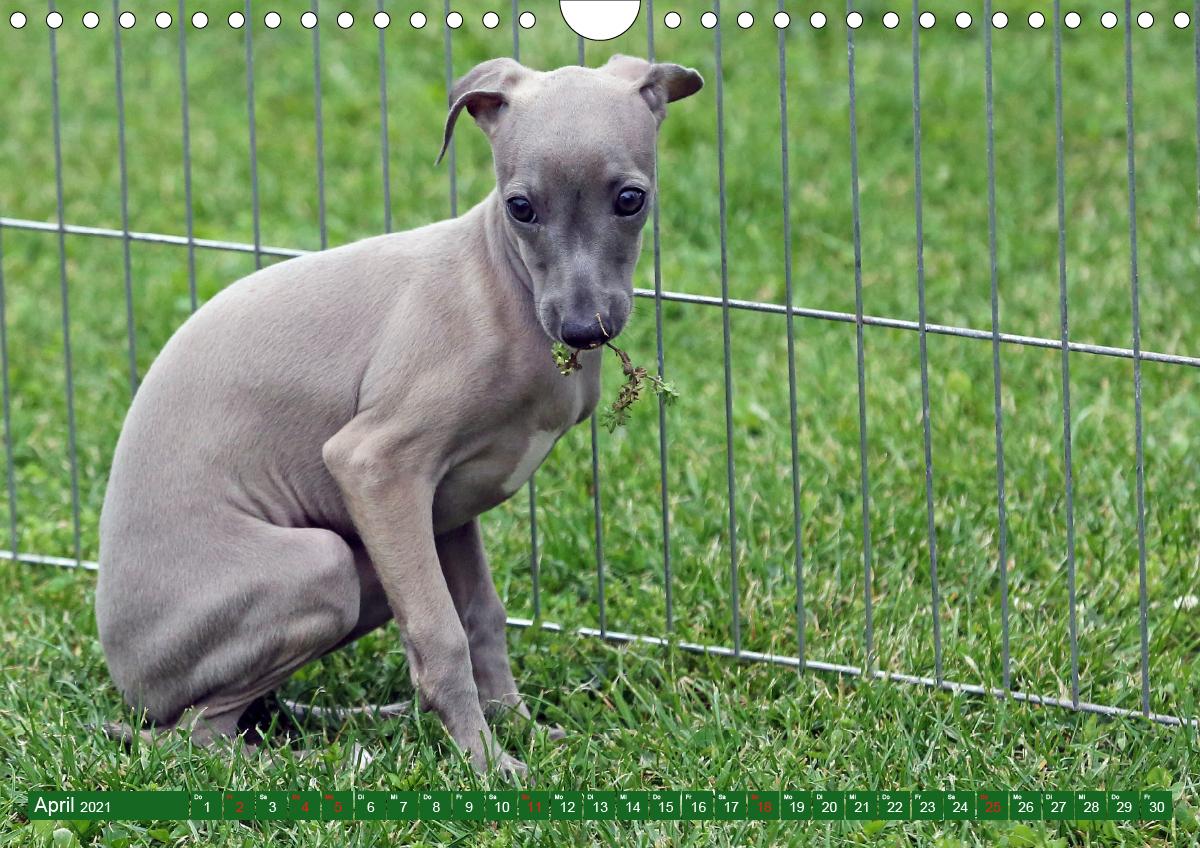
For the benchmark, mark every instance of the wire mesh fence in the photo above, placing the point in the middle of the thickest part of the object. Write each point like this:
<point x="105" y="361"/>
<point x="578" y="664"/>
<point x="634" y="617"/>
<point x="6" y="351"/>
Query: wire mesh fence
<point x="668" y="430"/>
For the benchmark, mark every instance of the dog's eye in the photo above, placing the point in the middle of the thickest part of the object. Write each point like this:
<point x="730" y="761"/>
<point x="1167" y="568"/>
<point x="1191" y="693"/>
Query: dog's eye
<point x="521" y="210"/>
<point x="629" y="201"/>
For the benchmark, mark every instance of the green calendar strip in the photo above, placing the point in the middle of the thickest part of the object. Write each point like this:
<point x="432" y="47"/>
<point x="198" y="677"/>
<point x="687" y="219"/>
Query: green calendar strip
<point x="597" y="805"/>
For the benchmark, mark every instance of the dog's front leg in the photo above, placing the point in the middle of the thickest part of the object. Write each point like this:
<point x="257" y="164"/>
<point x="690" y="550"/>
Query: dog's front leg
<point x="390" y="501"/>
<point x="464" y="562"/>
<point x="465" y="565"/>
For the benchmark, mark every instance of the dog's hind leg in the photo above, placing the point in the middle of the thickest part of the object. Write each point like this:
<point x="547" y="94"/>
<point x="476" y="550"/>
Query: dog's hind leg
<point x="204" y="732"/>
<point x="311" y="606"/>
<point x="233" y="622"/>
<point x="374" y="612"/>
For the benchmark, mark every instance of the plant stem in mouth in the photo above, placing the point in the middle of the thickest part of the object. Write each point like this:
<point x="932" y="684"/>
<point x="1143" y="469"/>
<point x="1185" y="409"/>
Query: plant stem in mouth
<point x="636" y="381"/>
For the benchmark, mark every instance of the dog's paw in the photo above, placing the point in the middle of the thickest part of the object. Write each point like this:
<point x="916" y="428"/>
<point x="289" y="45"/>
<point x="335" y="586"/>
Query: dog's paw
<point x="512" y="770"/>
<point x="497" y="761"/>
<point x="554" y="732"/>
<point x="120" y="732"/>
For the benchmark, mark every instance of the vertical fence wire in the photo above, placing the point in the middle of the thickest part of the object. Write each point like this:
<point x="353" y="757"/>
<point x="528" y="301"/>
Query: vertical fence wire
<point x="131" y="333"/>
<point x="785" y="178"/>
<point x="516" y="30"/>
<point x="11" y="481"/>
<point x="385" y="155"/>
<point x="734" y="600"/>
<point x="534" y="547"/>
<point x="998" y="410"/>
<point x="249" y="27"/>
<point x="668" y="601"/>
<point x="65" y="296"/>
<point x="451" y="159"/>
<point x="1066" y="362"/>
<point x="187" y="155"/>
<point x="923" y="340"/>
<point x="860" y="357"/>
<point x="597" y="506"/>
<point x="1135" y="296"/>
<point x="598" y="519"/>
<point x="535" y="557"/>
<point x="319" y="122"/>
<point x="516" y="34"/>
<point x="534" y="551"/>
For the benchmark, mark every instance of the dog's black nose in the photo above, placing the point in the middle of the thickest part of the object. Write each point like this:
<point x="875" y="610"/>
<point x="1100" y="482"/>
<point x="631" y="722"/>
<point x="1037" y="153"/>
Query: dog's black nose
<point x="584" y="335"/>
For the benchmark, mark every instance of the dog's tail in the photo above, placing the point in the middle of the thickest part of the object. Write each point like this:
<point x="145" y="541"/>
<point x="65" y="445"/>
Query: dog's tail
<point x="338" y="715"/>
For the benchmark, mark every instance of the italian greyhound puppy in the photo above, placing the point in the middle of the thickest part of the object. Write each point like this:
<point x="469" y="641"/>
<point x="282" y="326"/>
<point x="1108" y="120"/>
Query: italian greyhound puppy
<point x="310" y="452"/>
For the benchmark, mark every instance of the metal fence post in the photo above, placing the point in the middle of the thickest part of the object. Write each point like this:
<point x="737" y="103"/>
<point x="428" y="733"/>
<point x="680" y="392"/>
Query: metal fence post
<point x="731" y="481"/>
<point x="663" y="442"/>
<point x="860" y="357"/>
<point x="187" y="155"/>
<point x="119" y="61"/>
<point x="65" y="296"/>
<point x="925" y="422"/>
<point x="785" y="177"/>
<point x="1066" y="361"/>
<point x="1143" y="624"/>
<point x="249" y="28"/>
<point x="998" y="411"/>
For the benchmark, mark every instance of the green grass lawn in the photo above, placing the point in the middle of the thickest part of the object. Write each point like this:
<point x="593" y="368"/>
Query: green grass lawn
<point x="644" y="717"/>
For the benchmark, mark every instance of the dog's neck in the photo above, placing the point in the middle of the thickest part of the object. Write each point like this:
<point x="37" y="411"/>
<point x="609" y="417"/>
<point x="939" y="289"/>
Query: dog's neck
<point x="502" y="245"/>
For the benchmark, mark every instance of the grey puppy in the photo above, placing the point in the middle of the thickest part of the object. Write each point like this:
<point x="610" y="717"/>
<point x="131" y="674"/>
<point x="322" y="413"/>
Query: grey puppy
<point x="308" y="456"/>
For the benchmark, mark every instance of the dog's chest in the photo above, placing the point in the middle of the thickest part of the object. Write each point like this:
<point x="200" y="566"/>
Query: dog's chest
<point x="536" y="449"/>
<point x="510" y="449"/>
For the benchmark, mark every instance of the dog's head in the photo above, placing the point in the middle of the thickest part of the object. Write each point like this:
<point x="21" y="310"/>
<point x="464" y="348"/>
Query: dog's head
<point x="574" y="155"/>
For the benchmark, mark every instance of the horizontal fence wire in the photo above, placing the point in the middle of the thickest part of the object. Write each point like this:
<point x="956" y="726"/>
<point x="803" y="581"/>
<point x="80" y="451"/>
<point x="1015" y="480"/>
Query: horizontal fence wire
<point x="727" y="304"/>
<point x="784" y="660"/>
<point x="671" y="296"/>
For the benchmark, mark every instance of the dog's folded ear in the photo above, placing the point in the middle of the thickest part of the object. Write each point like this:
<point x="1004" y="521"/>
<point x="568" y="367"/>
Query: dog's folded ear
<point x="658" y="83"/>
<point x="484" y="92"/>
